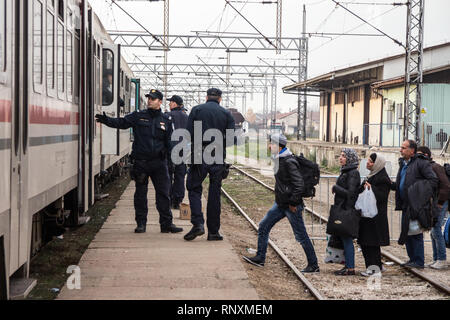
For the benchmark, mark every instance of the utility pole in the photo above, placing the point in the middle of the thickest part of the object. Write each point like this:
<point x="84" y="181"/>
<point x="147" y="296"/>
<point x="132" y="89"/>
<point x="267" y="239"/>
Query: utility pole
<point x="302" y="76"/>
<point x="228" y="78"/>
<point x="413" y="69"/>
<point x="274" y="99"/>
<point x="279" y="25"/>
<point x="166" y="49"/>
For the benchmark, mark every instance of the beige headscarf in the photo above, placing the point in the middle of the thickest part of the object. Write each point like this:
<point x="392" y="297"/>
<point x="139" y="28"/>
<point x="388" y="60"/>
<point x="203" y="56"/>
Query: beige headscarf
<point x="379" y="165"/>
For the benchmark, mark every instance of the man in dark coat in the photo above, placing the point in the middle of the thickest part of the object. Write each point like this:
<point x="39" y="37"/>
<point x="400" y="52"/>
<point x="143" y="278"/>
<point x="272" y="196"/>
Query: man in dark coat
<point x="177" y="172"/>
<point x="208" y="118"/>
<point x="441" y="206"/>
<point x="374" y="232"/>
<point x="289" y="188"/>
<point x="412" y="168"/>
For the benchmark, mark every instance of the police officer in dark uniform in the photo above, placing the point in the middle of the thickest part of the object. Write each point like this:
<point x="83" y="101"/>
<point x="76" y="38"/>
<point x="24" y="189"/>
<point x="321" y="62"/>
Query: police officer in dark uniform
<point x="177" y="172"/>
<point x="152" y="134"/>
<point x="211" y="116"/>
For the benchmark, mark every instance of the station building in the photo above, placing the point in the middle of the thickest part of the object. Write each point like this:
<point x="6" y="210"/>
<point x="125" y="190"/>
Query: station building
<point x="363" y="104"/>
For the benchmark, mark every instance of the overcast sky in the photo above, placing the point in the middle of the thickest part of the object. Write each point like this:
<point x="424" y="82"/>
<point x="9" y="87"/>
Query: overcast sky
<point x="322" y="16"/>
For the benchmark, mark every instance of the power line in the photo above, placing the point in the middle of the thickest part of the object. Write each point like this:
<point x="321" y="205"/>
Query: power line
<point x="367" y="22"/>
<point x="350" y="30"/>
<point x="267" y="39"/>
<point x="376" y="3"/>
<point x="146" y="30"/>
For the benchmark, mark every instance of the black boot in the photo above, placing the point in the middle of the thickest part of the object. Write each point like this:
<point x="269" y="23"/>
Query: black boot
<point x="311" y="269"/>
<point x="141" y="228"/>
<point x="172" y="229"/>
<point x="215" y="237"/>
<point x="176" y="205"/>
<point x="195" y="232"/>
<point x="256" y="261"/>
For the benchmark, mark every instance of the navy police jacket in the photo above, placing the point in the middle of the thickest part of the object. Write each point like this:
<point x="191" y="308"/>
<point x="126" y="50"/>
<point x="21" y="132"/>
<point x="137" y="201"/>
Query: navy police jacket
<point x="212" y="116"/>
<point x="152" y="133"/>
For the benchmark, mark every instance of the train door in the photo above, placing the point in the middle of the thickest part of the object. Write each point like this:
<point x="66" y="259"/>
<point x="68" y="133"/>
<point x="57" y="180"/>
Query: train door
<point x="110" y="97"/>
<point x="19" y="224"/>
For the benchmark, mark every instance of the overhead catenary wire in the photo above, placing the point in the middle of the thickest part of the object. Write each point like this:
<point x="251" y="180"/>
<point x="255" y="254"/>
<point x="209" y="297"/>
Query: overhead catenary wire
<point x="248" y="21"/>
<point x="352" y="29"/>
<point x="134" y="19"/>
<point x="368" y="23"/>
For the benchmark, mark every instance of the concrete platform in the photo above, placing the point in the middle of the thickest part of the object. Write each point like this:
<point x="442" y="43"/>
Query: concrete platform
<point x="122" y="265"/>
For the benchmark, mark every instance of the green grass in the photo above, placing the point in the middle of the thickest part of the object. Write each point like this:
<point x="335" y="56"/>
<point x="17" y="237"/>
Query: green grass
<point x="49" y="266"/>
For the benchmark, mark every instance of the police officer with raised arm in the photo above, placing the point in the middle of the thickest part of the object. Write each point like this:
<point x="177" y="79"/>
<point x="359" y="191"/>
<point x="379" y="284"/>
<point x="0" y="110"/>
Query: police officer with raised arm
<point x="152" y="144"/>
<point x="177" y="172"/>
<point x="207" y="116"/>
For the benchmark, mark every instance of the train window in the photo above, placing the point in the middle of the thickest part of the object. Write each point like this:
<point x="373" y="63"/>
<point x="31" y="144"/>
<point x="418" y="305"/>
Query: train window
<point x="2" y="35"/>
<point x="61" y="9"/>
<point x="69" y="69"/>
<point x="50" y="51"/>
<point x="108" y="77"/>
<point x="76" y="69"/>
<point x="127" y="84"/>
<point x="37" y="43"/>
<point x="97" y="82"/>
<point x="60" y="57"/>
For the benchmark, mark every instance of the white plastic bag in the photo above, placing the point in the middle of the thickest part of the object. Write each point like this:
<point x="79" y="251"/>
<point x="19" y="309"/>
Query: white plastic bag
<point x="367" y="203"/>
<point x="414" y="228"/>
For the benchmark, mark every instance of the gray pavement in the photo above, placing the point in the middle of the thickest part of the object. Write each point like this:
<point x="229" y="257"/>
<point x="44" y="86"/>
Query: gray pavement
<point x="122" y="265"/>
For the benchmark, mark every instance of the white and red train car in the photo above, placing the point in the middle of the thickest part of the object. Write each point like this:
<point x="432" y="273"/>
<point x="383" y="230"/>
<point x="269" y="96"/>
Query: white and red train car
<point x="54" y="58"/>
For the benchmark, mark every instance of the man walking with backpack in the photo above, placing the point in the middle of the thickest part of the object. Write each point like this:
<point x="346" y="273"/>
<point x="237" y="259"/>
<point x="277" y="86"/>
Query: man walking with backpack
<point x="289" y="189"/>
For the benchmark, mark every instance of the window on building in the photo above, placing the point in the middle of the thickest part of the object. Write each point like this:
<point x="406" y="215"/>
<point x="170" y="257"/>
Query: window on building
<point x="37" y="42"/>
<point x="108" y="77"/>
<point x="50" y="51"/>
<point x="61" y="57"/>
<point x="69" y="64"/>
<point x="2" y="35"/>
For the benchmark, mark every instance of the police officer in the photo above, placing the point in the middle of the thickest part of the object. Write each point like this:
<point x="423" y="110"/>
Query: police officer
<point x="152" y="134"/>
<point x="177" y="172"/>
<point x="211" y="116"/>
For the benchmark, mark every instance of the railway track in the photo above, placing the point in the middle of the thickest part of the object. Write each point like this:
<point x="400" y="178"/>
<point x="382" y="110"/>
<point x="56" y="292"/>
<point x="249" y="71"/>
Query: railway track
<point x="442" y="287"/>
<point x="313" y="291"/>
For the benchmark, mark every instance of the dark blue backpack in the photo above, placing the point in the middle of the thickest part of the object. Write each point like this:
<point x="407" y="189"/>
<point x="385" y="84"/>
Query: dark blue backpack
<point x="446" y="233"/>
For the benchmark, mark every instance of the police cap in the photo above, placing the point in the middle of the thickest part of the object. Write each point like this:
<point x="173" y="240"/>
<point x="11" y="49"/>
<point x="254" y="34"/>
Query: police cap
<point x="214" y="92"/>
<point x="155" y="94"/>
<point x="177" y="99"/>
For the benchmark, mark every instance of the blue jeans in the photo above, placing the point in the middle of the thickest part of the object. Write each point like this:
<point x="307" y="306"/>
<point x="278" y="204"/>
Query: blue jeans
<point x="437" y="237"/>
<point x="415" y="249"/>
<point x="296" y="220"/>
<point x="349" y="252"/>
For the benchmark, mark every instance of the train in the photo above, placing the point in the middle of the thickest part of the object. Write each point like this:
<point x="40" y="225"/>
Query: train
<point x="58" y="68"/>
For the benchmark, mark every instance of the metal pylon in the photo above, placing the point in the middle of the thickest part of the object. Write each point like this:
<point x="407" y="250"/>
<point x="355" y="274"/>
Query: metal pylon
<point x="166" y="47"/>
<point x="302" y="76"/>
<point x="413" y="69"/>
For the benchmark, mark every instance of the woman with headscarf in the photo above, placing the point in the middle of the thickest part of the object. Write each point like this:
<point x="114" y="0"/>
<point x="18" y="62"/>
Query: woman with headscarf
<point x="374" y="232"/>
<point x="346" y="192"/>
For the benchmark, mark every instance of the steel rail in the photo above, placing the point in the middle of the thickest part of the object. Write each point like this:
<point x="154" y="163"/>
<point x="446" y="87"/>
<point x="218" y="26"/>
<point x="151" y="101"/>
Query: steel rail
<point x="286" y="260"/>
<point x="440" y="286"/>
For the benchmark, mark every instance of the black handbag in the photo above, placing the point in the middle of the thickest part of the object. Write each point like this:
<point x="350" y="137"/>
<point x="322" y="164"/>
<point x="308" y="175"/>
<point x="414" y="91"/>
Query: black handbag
<point x="343" y="222"/>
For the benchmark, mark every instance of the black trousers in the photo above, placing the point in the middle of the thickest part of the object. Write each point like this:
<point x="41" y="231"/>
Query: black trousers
<point x="158" y="172"/>
<point x="372" y="255"/>
<point x="177" y="175"/>
<point x="196" y="175"/>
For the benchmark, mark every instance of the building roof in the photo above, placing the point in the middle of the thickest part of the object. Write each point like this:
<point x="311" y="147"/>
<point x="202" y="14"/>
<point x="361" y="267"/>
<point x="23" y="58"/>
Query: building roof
<point x="369" y="72"/>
